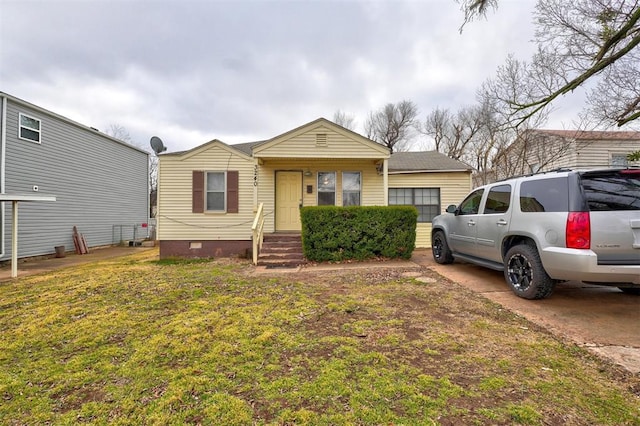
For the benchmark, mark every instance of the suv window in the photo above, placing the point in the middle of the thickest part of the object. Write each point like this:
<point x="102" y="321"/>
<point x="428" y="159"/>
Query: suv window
<point x="471" y="204"/>
<point x="498" y="199"/>
<point x="612" y="190"/>
<point x="545" y="195"/>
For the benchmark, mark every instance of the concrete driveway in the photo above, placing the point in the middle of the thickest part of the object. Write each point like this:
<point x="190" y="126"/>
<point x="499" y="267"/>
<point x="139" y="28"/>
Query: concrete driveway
<point x="602" y="319"/>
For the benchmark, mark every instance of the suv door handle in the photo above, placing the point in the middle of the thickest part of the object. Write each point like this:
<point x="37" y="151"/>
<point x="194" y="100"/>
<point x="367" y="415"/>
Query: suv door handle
<point x="471" y="223"/>
<point x="502" y="222"/>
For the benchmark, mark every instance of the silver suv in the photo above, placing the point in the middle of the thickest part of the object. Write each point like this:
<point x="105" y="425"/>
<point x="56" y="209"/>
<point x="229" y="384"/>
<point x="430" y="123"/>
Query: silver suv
<point x="542" y="229"/>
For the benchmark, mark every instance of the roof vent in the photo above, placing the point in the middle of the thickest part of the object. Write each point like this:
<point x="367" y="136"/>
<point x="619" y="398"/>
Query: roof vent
<point x="321" y="139"/>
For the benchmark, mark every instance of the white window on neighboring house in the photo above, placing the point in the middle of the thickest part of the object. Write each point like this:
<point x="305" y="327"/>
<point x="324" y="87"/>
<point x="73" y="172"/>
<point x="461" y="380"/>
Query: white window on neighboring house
<point x="351" y="184"/>
<point x="326" y="188"/>
<point x="29" y="128"/>
<point x="619" y="160"/>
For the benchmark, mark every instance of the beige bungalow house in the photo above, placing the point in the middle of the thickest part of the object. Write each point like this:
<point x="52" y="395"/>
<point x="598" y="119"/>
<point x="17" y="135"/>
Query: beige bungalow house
<point x="218" y="199"/>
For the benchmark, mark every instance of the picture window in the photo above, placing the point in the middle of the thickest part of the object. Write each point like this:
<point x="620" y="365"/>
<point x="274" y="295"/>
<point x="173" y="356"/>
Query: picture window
<point x="425" y="200"/>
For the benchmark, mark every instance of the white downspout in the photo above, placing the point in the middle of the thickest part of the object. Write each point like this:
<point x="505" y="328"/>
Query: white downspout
<point x="3" y="156"/>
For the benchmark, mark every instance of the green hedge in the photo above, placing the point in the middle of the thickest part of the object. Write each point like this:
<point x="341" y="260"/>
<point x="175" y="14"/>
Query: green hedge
<point x="332" y="233"/>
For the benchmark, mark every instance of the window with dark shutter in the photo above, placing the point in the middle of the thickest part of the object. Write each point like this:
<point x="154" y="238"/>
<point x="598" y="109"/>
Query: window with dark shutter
<point x="197" y="187"/>
<point x="232" y="192"/>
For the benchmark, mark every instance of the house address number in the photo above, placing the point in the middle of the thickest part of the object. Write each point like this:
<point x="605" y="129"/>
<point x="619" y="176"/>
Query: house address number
<point x="255" y="175"/>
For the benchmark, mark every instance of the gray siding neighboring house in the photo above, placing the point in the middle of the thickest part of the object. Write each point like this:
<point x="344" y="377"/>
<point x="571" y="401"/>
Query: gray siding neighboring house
<point x="99" y="181"/>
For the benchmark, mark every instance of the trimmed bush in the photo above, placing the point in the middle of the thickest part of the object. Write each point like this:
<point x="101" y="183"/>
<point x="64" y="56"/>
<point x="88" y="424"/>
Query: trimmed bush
<point x="331" y="233"/>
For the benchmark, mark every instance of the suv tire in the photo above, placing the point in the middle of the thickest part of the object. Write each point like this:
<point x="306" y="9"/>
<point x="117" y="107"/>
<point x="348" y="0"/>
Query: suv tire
<point x="440" y="249"/>
<point x="524" y="272"/>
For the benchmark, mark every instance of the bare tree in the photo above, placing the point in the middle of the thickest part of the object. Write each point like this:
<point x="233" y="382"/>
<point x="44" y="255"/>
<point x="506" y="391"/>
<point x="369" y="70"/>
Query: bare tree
<point x="578" y="41"/>
<point x="535" y="150"/>
<point x="478" y="136"/>
<point x="345" y="120"/>
<point x="437" y="126"/>
<point x="455" y="134"/>
<point x="392" y="125"/>
<point x="119" y="132"/>
<point x="490" y="138"/>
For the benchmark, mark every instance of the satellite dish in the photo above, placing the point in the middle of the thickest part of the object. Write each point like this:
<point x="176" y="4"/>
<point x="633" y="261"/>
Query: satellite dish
<point x="157" y="145"/>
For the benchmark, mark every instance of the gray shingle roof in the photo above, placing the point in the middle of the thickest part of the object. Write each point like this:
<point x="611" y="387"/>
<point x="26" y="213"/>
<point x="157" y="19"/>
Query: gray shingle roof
<point x="424" y="161"/>
<point x="246" y="147"/>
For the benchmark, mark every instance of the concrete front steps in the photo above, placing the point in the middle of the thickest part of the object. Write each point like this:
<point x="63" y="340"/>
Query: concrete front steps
<point x="280" y="250"/>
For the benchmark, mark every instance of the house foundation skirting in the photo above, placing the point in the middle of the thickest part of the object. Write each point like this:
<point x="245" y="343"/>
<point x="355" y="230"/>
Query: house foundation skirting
<point x="202" y="249"/>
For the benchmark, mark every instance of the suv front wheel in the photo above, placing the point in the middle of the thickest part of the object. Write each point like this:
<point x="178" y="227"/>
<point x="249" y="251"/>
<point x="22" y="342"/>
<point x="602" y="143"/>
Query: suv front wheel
<point x="440" y="249"/>
<point x="523" y="271"/>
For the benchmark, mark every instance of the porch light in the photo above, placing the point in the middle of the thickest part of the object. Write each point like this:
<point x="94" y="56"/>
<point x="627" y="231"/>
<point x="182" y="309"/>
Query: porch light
<point x="308" y="173"/>
<point x="379" y="167"/>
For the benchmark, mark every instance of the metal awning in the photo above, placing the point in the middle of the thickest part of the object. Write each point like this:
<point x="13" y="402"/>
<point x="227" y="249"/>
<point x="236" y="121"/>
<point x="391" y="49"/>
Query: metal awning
<point x="15" y="199"/>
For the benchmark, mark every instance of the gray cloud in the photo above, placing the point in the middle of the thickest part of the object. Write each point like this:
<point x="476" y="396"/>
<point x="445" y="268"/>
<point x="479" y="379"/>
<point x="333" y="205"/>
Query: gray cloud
<point x="246" y="70"/>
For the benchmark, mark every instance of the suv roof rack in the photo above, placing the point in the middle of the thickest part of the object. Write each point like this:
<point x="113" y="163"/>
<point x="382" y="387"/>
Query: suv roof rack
<point x="591" y="167"/>
<point x="558" y="170"/>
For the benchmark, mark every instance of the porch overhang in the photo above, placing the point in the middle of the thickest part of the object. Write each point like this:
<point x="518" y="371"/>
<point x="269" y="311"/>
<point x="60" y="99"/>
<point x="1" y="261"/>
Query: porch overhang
<point x="15" y="199"/>
<point x="264" y="158"/>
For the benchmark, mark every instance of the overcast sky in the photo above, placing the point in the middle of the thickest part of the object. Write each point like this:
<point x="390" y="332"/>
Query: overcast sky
<point x="241" y="71"/>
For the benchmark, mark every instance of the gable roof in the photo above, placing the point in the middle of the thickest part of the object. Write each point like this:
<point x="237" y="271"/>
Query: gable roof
<point x="193" y="151"/>
<point x="247" y="148"/>
<point x="424" y="161"/>
<point x="320" y="123"/>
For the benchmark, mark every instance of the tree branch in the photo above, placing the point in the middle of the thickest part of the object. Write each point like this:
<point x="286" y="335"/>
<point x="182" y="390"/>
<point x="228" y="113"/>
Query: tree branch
<point x="578" y="81"/>
<point x="629" y="119"/>
<point x="473" y="8"/>
<point x="619" y="35"/>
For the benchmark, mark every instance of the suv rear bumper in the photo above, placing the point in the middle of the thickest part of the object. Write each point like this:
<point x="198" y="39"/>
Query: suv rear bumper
<point x="582" y="265"/>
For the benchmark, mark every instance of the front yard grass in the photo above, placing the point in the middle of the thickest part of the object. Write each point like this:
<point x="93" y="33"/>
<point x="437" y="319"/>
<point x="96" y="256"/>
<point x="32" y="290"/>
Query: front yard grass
<point x="139" y="341"/>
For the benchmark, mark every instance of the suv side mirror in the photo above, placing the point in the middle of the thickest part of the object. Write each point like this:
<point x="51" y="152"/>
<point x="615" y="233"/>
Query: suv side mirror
<point x="452" y="208"/>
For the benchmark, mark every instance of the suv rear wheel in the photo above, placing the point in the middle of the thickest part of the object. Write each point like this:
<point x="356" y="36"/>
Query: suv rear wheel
<point x="440" y="249"/>
<point x="523" y="271"/>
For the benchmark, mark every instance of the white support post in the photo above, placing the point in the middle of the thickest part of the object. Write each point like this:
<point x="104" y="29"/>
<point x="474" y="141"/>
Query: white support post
<point x="15" y="198"/>
<point x="14" y="239"/>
